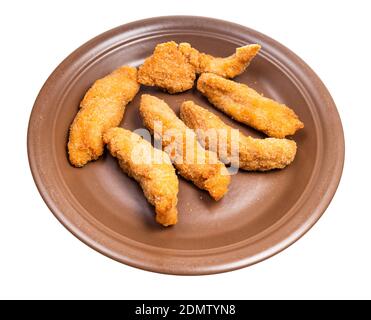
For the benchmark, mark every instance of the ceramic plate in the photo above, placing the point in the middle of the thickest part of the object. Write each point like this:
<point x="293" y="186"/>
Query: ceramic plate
<point x="262" y="213"/>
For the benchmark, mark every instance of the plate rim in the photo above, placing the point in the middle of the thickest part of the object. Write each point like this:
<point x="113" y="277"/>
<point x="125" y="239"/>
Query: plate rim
<point x="207" y="268"/>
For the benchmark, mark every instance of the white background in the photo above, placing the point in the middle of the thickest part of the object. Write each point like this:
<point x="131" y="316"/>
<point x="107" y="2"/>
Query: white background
<point x="39" y="258"/>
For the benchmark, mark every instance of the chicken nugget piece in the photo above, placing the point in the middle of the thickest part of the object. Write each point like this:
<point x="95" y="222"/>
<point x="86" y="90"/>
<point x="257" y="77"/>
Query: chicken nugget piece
<point x="158" y="180"/>
<point x="173" y="67"/>
<point x="102" y="108"/>
<point x="192" y="161"/>
<point x="249" y="107"/>
<point x="228" y="67"/>
<point x="167" y="69"/>
<point x="254" y="154"/>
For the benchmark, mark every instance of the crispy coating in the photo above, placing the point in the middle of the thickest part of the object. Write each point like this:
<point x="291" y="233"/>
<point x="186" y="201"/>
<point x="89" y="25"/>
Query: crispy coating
<point x="228" y="67"/>
<point x="191" y="160"/>
<point x="168" y="69"/>
<point x="254" y="154"/>
<point x="249" y="107"/>
<point x="173" y="67"/>
<point x="102" y="108"/>
<point x="158" y="179"/>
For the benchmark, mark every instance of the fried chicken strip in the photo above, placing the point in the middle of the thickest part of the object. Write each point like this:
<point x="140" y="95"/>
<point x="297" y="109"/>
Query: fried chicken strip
<point x="173" y="67"/>
<point x="228" y="67"/>
<point x="254" y="154"/>
<point x="249" y="107"/>
<point x="191" y="160"/>
<point x="167" y="69"/>
<point x="102" y="108"/>
<point x="158" y="180"/>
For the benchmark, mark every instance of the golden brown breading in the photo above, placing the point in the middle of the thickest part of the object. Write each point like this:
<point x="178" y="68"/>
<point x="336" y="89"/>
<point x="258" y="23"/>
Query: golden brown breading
<point x="157" y="179"/>
<point x="102" y="108"/>
<point x="173" y="67"/>
<point x="168" y="69"/>
<point x="247" y="106"/>
<point x="228" y="67"/>
<point x="254" y="154"/>
<point x="191" y="160"/>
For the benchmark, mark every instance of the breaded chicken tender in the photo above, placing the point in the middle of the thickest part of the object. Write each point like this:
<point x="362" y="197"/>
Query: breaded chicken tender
<point x="191" y="160"/>
<point x="228" y="67"/>
<point x="158" y="180"/>
<point x="249" y="107"/>
<point x="173" y="67"/>
<point x="102" y="108"/>
<point x="167" y="69"/>
<point x="254" y="154"/>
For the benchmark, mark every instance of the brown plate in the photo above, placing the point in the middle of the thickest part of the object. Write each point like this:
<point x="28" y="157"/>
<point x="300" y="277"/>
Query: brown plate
<point x="262" y="213"/>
